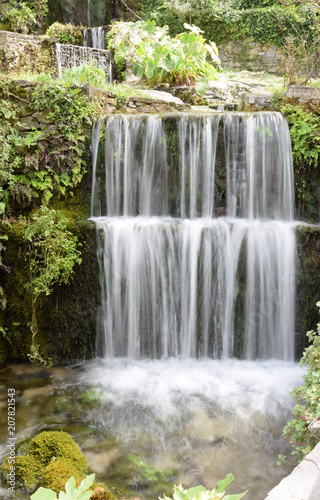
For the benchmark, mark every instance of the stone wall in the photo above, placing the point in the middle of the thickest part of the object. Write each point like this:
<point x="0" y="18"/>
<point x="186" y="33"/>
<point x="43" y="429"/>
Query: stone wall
<point x="251" y="56"/>
<point x="26" y="52"/>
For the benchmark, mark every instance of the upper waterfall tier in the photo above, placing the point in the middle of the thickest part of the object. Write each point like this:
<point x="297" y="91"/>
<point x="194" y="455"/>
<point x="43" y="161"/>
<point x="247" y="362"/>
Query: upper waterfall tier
<point x="168" y="166"/>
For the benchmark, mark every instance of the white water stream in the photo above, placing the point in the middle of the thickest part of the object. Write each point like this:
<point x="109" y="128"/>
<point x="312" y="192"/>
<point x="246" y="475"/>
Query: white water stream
<point x="182" y="282"/>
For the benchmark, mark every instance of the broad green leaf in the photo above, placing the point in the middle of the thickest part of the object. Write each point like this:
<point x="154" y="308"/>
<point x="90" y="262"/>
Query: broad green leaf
<point x="224" y="483"/>
<point x="83" y="496"/>
<point x="192" y="492"/>
<point x="70" y="486"/>
<point x="121" y="52"/>
<point x="235" y="497"/>
<point x="86" y="483"/>
<point x="44" y="494"/>
<point x="202" y="85"/>
<point x="150" y="69"/>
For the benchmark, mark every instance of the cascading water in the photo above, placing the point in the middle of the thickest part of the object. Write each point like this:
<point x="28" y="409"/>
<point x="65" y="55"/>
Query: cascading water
<point x="70" y="56"/>
<point x="98" y="35"/>
<point x="97" y="38"/>
<point x="176" y="279"/>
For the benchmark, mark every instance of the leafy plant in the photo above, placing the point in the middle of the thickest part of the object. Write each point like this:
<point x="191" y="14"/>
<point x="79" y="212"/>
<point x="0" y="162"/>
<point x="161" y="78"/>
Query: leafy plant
<point x="159" y="58"/>
<point x="200" y="492"/>
<point x="27" y="17"/>
<point x="66" y="33"/>
<point x="72" y="493"/>
<point x="52" y="254"/>
<point x="307" y="398"/>
<point x="81" y="75"/>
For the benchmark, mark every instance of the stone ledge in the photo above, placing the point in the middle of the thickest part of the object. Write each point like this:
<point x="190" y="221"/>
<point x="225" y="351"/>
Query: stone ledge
<point x="303" y="93"/>
<point x="304" y="481"/>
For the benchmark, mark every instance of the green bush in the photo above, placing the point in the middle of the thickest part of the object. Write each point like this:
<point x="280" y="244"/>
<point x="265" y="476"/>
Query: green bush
<point x="307" y="398"/>
<point x="250" y="4"/>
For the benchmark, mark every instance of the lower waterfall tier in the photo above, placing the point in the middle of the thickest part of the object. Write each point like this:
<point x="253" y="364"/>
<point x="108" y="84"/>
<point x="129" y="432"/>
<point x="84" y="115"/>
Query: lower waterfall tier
<point x="196" y="287"/>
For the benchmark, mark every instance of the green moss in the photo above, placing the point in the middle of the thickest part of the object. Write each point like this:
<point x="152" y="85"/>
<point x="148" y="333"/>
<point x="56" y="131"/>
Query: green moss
<point x="54" y="444"/>
<point x="101" y="492"/>
<point x="27" y="471"/>
<point x="51" y="458"/>
<point x="57" y="473"/>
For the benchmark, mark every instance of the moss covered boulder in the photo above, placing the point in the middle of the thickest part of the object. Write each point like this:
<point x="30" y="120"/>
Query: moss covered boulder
<point x="49" y="459"/>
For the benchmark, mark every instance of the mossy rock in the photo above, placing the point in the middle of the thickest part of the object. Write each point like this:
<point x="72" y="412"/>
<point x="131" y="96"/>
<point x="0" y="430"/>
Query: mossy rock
<point x="50" y="459"/>
<point x="50" y="445"/>
<point x="27" y="471"/>
<point x="101" y="492"/>
<point x="57" y="473"/>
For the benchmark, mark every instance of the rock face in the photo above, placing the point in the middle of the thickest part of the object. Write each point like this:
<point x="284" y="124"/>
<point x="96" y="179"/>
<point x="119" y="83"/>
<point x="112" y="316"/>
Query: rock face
<point x="80" y="12"/>
<point x="303" y="93"/>
<point x="251" y="56"/>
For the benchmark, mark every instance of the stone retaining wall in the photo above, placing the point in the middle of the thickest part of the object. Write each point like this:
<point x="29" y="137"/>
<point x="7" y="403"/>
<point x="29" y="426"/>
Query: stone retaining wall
<point x="251" y="56"/>
<point x="26" y="52"/>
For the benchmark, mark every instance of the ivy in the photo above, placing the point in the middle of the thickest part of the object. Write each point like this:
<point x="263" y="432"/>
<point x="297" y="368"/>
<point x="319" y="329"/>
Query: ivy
<point x="40" y="163"/>
<point x="305" y="135"/>
<point x="51" y="255"/>
<point x="265" y="21"/>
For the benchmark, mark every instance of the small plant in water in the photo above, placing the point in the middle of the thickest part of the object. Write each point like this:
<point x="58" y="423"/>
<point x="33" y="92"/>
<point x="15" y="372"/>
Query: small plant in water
<point x="200" y="492"/>
<point x="72" y="493"/>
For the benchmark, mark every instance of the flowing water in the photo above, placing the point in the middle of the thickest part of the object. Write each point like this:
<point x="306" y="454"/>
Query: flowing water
<point x="71" y="56"/>
<point x="175" y="279"/>
<point x="192" y="421"/>
<point x="97" y="37"/>
<point x="197" y="266"/>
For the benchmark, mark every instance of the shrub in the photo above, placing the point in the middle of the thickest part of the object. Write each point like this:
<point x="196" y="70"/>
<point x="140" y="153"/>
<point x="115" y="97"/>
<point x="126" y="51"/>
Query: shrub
<point x="28" y="17"/>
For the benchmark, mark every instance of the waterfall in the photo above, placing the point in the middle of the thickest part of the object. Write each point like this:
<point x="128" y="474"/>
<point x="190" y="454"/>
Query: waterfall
<point x="85" y="37"/>
<point x="176" y="279"/>
<point x="70" y="56"/>
<point x="98" y="38"/>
